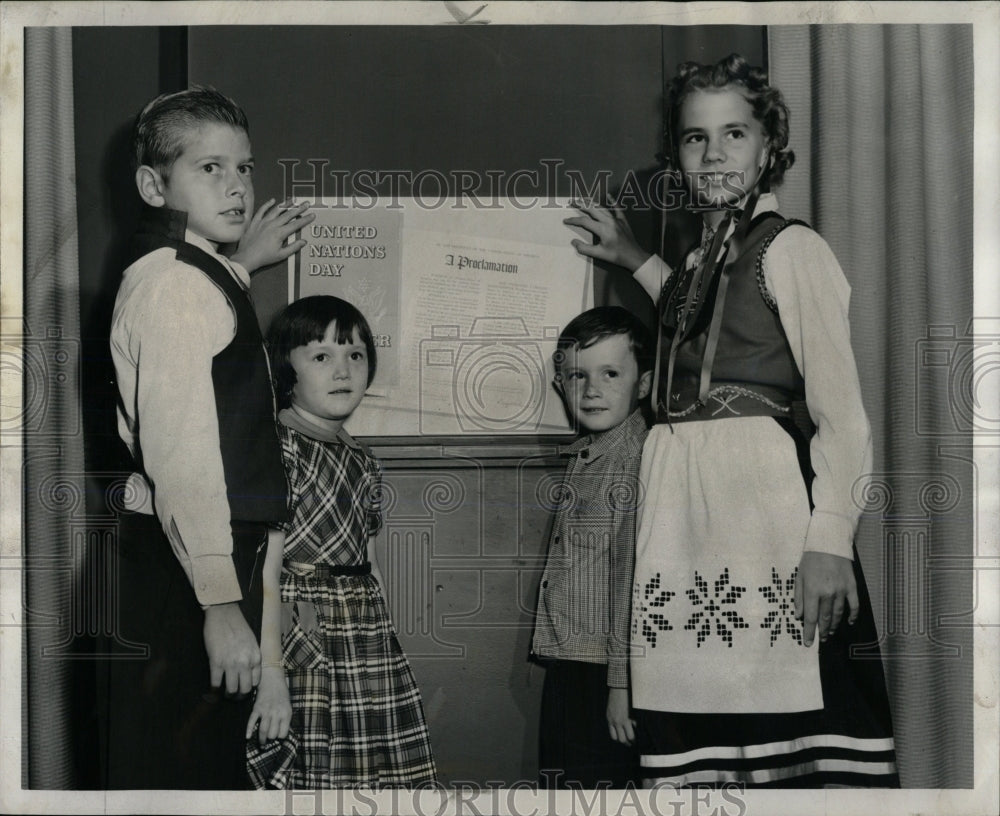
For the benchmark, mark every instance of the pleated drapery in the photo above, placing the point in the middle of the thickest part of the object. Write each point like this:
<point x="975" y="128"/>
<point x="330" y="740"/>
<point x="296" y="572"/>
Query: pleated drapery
<point x="53" y="476"/>
<point x="882" y="128"/>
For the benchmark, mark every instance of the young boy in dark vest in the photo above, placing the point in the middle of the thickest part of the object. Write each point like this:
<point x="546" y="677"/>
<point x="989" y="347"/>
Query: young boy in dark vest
<point x="197" y="414"/>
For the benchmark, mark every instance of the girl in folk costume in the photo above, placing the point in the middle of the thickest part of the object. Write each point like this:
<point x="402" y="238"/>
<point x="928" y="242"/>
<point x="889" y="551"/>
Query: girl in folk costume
<point x="745" y="554"/>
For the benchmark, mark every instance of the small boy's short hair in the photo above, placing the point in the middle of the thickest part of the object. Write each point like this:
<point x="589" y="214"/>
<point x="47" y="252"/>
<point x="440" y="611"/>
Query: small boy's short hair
<point x="602" y="322"/>
<point x="161" y="127"/>
<point x="305" y="320"/>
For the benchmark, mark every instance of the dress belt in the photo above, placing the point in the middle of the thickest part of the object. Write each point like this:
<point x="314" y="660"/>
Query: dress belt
<point x="324" y="572"/>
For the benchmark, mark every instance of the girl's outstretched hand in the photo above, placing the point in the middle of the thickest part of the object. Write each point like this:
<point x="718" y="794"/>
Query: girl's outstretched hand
<point x="272" y="709"/>
<point x="824" y="582"/>
<point x="614" y="239"/>
<point x="620" y="725"/>
<point x="263" y="243"/>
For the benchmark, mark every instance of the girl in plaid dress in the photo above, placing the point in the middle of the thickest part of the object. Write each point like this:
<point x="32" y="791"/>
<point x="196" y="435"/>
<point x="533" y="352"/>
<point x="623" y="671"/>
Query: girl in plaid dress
<point x="357" y="716"/>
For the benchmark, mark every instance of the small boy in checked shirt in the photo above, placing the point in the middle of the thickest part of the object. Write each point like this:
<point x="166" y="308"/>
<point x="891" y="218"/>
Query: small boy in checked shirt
<point x="581" y="634"/>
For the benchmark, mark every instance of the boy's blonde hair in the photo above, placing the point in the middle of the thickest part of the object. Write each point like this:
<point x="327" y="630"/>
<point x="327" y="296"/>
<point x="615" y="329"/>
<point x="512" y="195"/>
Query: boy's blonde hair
<point x="160" y="129"/>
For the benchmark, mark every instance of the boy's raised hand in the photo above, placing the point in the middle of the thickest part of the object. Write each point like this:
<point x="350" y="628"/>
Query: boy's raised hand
<point x="272" y="708"/>
<point x="233" y="653"/>
<point x="621" y="726"/>
<point x="614" y="242"/>
<point x="263" y="243"/>
<point x="823" y="584"/>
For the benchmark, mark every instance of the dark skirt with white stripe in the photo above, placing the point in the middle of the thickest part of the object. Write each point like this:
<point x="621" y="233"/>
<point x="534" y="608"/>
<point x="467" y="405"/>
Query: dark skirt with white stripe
<point x="847" y="743"/>
<point x="724" y="689"/>
<point x="357" y="715"/>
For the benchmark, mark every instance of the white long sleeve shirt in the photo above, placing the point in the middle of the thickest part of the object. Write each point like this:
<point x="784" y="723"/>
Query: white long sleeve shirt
<point x="169" y="322"/>
<point x="806" y="281"/>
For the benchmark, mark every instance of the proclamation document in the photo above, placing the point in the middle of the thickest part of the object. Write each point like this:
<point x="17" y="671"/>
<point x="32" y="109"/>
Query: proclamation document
<point x="465" y="305"/>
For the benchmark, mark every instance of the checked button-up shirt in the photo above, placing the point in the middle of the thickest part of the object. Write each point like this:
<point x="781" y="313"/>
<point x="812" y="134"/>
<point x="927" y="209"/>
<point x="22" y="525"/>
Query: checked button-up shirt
<point x="584" y="599"/>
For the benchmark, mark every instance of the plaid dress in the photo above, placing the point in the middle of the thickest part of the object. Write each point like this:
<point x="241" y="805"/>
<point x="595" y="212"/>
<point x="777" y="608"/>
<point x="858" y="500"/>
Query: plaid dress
<point x="357" y="716"/>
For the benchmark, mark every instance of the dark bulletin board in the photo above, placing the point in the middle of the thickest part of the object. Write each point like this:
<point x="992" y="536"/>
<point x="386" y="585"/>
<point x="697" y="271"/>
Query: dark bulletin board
<point x="484" y="99"/>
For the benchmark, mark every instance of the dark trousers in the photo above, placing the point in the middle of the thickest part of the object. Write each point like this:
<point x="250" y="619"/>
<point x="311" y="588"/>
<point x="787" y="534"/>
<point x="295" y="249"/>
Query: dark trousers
<point x="574" y="746"/>
<point x="166" y="727"/>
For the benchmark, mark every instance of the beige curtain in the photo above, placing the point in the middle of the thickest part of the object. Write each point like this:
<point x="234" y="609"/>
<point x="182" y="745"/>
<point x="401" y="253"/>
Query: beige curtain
<point x="53" y="485"/>
<point x="882" y="128"/>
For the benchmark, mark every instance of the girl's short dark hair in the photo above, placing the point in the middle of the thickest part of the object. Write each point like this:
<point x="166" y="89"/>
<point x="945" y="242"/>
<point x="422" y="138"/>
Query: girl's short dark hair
<point x="160" y="128"/>
<point x="768" y="105"/>
<point x="599" y="323"/>
<point x="305" y="320"/>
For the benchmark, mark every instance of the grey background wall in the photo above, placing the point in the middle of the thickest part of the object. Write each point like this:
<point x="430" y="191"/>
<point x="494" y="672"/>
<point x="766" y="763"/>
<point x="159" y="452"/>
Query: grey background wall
<point x="465" y="525"/>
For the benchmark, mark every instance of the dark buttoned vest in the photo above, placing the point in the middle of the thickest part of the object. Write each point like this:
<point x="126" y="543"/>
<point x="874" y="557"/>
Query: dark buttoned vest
<point x="251" y="456"/>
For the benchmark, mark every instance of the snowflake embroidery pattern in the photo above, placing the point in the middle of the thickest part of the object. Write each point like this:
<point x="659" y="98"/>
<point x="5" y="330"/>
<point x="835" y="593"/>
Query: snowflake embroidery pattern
<point x="648" y="601"/>
<point x="781" y="594"/>
<point x="712" y="611"/>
